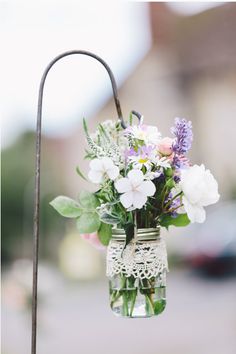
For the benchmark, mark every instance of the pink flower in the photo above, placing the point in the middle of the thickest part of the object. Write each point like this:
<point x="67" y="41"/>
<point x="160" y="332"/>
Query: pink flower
<point x="93" y="240"/>
<point x="165" y="146"/>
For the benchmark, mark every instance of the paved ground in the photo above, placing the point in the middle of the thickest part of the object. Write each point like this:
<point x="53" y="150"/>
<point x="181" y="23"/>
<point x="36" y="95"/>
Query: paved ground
<point x="200" y="318"/>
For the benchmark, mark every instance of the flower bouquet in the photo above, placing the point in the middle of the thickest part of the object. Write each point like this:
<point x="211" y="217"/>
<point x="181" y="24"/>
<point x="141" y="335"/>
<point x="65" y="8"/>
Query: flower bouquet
<point x="145" y="182"/>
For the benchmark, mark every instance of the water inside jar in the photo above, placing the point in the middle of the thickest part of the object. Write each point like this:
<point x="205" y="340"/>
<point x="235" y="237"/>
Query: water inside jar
<point x="135" y="298"/>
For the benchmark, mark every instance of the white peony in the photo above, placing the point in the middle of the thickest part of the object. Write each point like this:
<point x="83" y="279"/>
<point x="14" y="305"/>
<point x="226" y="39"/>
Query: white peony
<point x="134" y="189"/>
<point x="200" y="189"/>
<point x="101" y="169"/>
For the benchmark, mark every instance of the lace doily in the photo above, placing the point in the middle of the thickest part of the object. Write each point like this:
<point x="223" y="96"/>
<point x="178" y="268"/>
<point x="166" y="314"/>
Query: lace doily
<point x="140" y="259"/>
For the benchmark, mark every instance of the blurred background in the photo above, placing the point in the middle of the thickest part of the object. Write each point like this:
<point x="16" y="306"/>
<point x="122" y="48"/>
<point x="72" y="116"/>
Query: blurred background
<point x="169" y="59"/>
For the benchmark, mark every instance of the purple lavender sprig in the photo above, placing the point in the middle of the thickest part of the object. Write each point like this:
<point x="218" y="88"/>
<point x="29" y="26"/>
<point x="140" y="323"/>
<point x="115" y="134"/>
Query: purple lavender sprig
<point x="175" y="203"/>
<point x="183" y="136"/>
<point x="180" y="161"/>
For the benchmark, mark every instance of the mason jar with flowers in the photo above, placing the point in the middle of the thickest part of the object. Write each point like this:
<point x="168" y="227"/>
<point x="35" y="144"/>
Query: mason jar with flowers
<point x="145" y="182"/>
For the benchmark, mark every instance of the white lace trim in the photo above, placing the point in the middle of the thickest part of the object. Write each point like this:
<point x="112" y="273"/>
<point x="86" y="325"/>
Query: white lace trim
<point x="140" y="259"/>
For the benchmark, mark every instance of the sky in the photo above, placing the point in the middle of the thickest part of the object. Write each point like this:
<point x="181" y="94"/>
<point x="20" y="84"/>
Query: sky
<point x="34" y="33"/>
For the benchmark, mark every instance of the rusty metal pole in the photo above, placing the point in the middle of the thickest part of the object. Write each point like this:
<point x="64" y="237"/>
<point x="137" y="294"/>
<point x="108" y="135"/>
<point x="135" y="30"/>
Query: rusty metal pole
<point x="37" y="175"/>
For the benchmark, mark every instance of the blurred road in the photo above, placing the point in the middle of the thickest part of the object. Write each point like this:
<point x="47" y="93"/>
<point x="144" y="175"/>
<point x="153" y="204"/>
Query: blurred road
<point x="200" y="318"/>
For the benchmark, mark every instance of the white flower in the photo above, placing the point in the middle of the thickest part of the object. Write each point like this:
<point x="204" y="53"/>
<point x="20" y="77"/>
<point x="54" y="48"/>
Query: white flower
<point x="135" y="190"/>
<point x="138" y="162"/>
<point x="143" y="157"/>
<point x="147" y="133"/>
<point x="149" y="175"/>
<point x="163" y="162"/>
<point x="200" y="189"/>
<point x="101" y="169"/>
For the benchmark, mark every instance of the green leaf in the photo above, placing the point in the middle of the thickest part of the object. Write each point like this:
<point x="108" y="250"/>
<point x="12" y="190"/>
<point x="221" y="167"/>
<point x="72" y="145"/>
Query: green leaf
<point x="168" y="172"/>
<point x="133" y="295"/>
<point x="88" y="222"/>
<point x="168" y="220"/>
<point x="88" y="200"/>
<point x="103" y="132"/>
<point x="80" y="173"/>
<point x="149" y="306"/>
<point x="129" y="232"/>
<point x="89" y="155"/>
<point x="170" y="183"/>
<point x="159" y="306"/>
<point x="85" y="127"/>
<point x="125" y="306"/>
<point x="67" y="207"/>
<point x="130" y="119"/>
<point x="104" y="233"/>
<point x="109" y="219"/>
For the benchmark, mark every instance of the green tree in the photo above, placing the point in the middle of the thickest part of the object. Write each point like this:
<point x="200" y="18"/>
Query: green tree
<point x="18" y="163"/>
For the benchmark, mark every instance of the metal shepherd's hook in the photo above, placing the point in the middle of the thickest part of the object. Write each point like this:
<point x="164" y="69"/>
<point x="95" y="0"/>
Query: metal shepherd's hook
<point x="37" y="174"/>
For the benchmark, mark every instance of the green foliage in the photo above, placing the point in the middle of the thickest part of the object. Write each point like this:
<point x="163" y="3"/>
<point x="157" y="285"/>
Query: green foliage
<point x="167" y="220"/>
<point x="159" y="306"/>
<point x="88" y="200"/>
<point x="168" y="172"/>
<point x="170" y="183"/>
<point x="18" y="163"/>
<point x="104" y="233"/>
<point x="84" y="211"/>
<point x="88" y="222"/>
<point x="95" y="149"/>
<point x="103" y="133"/>
<point x="109" y="219"/>
<point x="85" y="127"/>
<point x="133" y="295"/>
<point x="130" y="119"/>
<point x="80" y="173"/>
<point x="67" y="207"/>
<point x="149" y="306"/>
<point x="129" y="232"/>
<point x="89" y="155"/>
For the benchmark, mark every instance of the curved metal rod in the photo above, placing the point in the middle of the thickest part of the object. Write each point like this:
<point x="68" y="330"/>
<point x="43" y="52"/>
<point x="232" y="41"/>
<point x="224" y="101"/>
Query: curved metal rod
<point x="37" y="174"/>
<point x="138" y="115"/>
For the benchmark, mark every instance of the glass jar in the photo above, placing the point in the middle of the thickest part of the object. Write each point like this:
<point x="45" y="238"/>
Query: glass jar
<point x="137" y="273"/>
